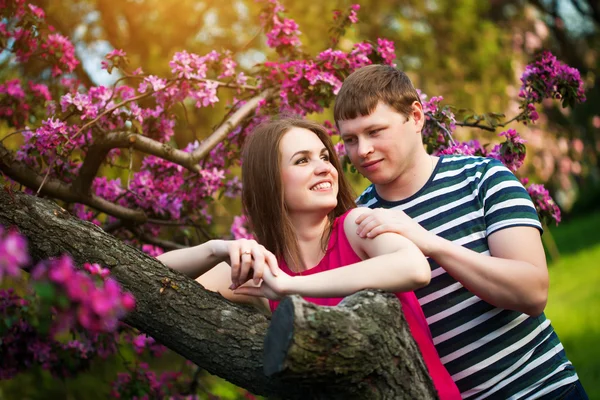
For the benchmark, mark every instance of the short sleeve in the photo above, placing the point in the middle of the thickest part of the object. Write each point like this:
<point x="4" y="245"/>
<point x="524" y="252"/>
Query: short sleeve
<point x="505" y="201"/>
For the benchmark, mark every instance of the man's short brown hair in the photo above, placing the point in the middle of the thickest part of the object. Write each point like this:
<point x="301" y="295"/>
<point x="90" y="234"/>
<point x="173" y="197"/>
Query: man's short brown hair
<point x="369" y="85"/>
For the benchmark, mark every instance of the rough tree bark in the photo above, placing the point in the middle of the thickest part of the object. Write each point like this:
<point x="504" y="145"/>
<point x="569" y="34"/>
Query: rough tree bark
<point x="361" y="349"/>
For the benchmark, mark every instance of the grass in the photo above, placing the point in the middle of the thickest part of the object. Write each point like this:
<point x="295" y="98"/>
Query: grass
<point x="574" y="298"/>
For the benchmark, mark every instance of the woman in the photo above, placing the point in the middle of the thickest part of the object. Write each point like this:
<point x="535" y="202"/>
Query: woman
<point x="301" y="210"/>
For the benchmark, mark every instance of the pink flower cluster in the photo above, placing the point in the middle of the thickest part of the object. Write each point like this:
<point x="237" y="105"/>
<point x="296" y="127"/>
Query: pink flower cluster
<point x="13" y="253"/>
<point x="144" y="384"/>
<point x="281" y="32"/>
<point x="17" y="105"/>
<point x="308" y="86"/>
<point x="96" y="306"/>
<point x="470" y="148"/>
<point x="24" y="27"/>
<point x="62" y="49"/>
<point x="117" y="58"/>
<point x="547" y="77"/>
<point x="143" y="342"/>
<point x="512" y="151"/>
<point x="353" y="17"/>
<point x="440" y="123"/>
<point x="544" y="203"/>
<point x="26" y="340"/>
<point x="239" y="228"/>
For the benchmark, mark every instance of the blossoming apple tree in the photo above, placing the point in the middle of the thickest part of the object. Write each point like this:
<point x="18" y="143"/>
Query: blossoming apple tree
<point x="70" y="135"/>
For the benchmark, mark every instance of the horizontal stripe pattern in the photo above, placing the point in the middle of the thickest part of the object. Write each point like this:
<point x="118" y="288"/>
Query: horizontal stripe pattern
<point x="489" y="352"/>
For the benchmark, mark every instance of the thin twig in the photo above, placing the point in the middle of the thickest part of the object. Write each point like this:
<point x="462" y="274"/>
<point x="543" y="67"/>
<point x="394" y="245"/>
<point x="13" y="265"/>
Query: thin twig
<point x="476" y="125"/>
<point x="187" y="120"/>
<point x="130" y="167"/>
<point x="442" y="127"/>
<point x="14" y="133"/>
<point x="490" y="128"/>
<point x="165" y="244"/>
<point x="45" y="178"/>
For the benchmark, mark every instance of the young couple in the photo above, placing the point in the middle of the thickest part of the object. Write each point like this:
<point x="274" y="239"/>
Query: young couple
<point x="481" y="291"/>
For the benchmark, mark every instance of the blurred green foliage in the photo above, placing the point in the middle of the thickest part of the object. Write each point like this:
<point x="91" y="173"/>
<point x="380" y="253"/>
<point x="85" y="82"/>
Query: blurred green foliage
<point x="574" y="299"/>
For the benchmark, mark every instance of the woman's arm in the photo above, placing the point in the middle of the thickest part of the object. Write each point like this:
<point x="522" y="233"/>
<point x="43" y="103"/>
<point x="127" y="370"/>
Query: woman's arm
<point x="206" y="264"/>
<point x="195" y="261"/>
<point x="391" y="262"/>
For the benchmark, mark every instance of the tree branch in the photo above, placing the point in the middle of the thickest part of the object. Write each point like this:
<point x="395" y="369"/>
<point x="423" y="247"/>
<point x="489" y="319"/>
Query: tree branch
<point x="21" y="173"/>
<point x="227" y="339"/>
<point x="222" y="131"/>
<point x="165" y="244"/>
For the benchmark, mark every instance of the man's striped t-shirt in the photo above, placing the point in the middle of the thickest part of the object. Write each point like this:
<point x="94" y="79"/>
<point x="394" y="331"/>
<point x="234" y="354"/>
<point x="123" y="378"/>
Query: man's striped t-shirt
<point x="490" y="352"/>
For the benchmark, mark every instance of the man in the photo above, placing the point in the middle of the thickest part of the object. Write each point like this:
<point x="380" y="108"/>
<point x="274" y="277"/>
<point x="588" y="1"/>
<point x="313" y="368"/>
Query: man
<point x="476" y="223"/>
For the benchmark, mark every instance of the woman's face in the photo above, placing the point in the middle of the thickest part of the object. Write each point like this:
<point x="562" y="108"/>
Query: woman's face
<point x="310" y="181"/>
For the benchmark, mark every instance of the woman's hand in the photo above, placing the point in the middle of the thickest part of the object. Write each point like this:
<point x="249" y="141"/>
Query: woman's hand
<point x="248" y="260"/>
<point x="272" y="287"/>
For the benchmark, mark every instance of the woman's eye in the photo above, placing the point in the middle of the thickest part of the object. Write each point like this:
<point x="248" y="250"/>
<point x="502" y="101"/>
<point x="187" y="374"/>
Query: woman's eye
<point x="373" y="132"/>
<point x="301" y="160"/>
<point x="325" y="157"/>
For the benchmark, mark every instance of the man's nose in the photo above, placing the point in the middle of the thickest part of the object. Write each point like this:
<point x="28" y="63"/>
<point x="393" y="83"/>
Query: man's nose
<point x="364" y="148"/>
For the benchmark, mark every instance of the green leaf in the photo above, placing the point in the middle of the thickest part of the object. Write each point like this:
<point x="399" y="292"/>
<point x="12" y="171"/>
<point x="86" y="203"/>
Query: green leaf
<point x="44" y="290"/>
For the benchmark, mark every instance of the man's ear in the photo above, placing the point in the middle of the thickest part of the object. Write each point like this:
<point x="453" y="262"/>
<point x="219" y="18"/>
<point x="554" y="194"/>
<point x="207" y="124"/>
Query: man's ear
<point x="418" y="115"/>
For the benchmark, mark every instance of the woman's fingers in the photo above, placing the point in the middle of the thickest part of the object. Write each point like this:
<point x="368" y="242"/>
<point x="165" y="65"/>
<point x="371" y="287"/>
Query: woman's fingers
<point x="271" y="262"/>
<point x="235" y="261"/>
<point x="249" y="291"/>
<point x="249" y="260"/>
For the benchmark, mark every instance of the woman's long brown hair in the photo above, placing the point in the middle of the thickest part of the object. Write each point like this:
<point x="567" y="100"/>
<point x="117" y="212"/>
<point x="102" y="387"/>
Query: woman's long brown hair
<point x="262" y="189"/>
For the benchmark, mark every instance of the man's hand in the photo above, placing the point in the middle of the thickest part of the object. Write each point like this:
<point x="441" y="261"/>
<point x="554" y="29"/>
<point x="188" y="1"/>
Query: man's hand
<point x="379" y="220"/>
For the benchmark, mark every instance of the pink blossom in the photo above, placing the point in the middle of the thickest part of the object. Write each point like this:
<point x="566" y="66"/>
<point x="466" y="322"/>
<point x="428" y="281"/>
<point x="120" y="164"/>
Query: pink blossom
<point x="13" y="253"/>
<point x="387" y="50"/>
<point x="239" y="229"/>
<point x="38" y="12"/>
<point x="228" y="67"/>
<point x="57" y="44"/>
<point x="544" y="203"/>
<point x="62" y="270"/>
<point x="547" y="77"/>
<point x="153" y="82"/>
<point x="340" y="149"/>
<point x="206" y="94"/>
<point x="116" y="53"/>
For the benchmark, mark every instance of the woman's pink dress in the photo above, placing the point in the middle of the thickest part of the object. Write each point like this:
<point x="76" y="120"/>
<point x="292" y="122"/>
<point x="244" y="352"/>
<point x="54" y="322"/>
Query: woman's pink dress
<point x="340" y="253"/>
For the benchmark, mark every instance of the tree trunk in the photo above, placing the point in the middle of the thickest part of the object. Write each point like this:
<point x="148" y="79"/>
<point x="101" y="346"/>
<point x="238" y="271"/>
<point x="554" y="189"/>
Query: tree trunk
<point x="361" y="349"/>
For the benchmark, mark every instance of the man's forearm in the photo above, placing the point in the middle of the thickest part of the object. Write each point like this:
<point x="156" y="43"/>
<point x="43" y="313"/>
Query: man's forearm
<point x="505" y="283"/>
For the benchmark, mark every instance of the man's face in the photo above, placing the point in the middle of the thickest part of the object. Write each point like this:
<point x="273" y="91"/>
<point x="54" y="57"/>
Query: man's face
<point x="382" y="145"/>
